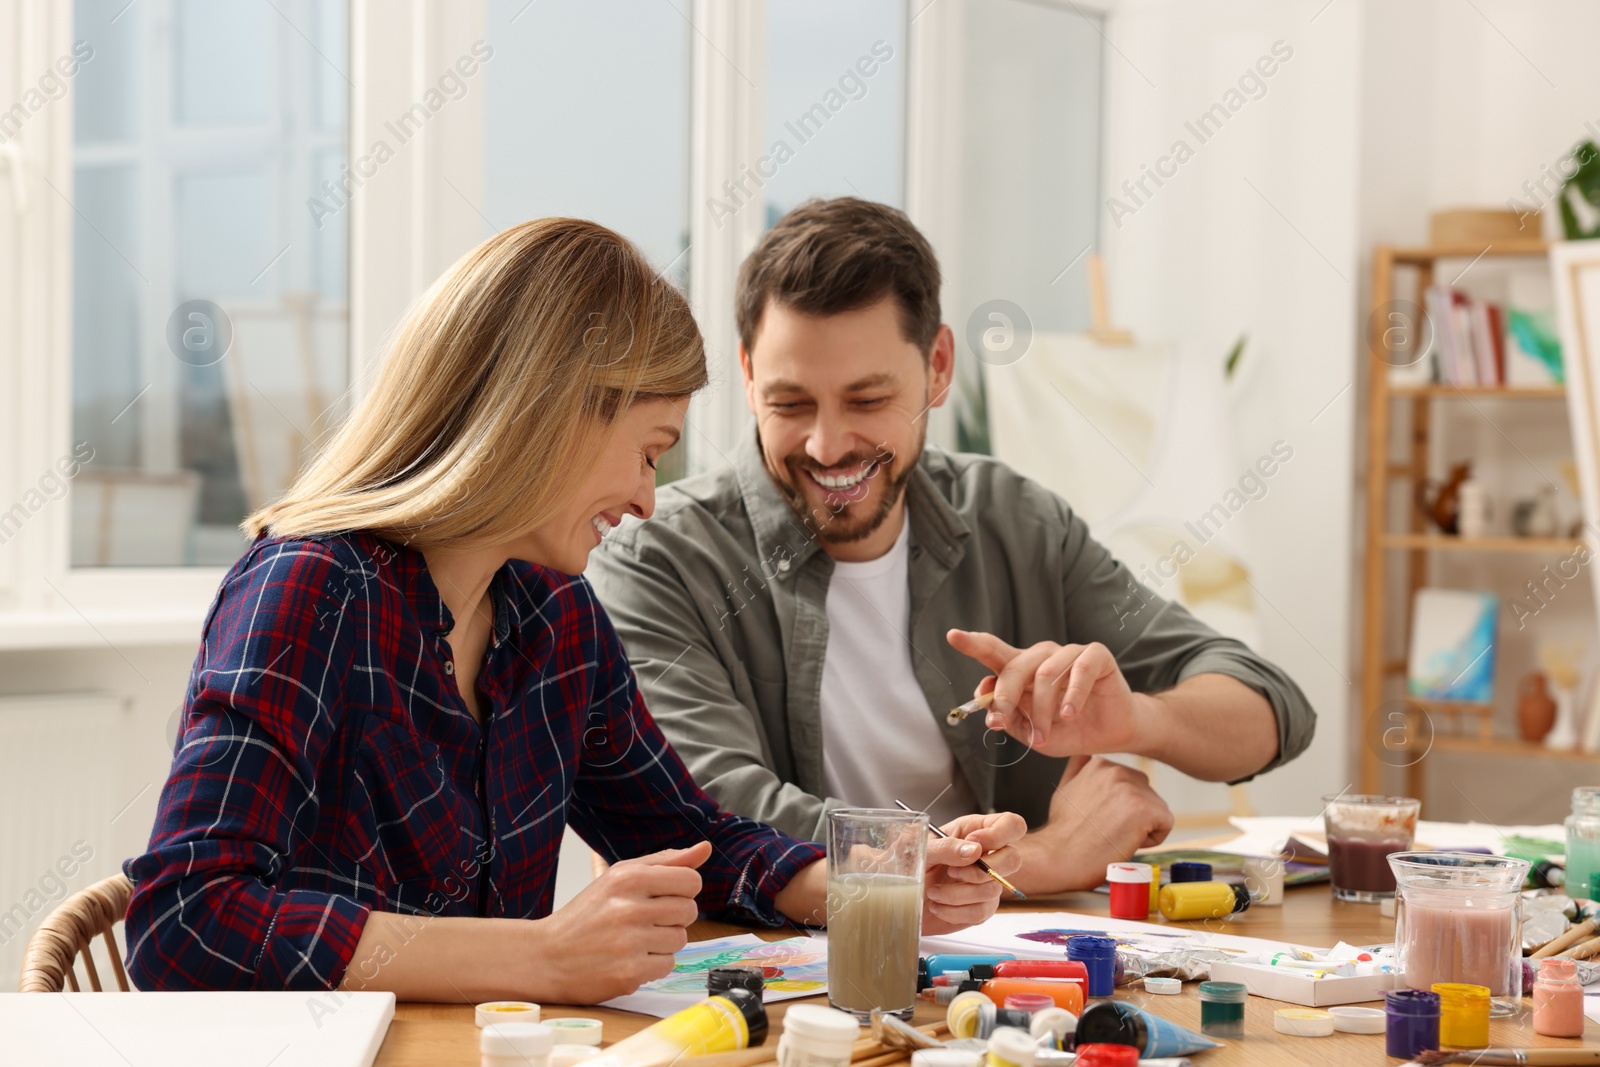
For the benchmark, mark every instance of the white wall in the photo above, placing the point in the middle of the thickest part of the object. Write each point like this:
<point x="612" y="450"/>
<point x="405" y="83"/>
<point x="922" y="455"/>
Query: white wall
<point x="1387" y="110"/>
<point x="1462" y="104"/>
<point x="1256" y="233"/>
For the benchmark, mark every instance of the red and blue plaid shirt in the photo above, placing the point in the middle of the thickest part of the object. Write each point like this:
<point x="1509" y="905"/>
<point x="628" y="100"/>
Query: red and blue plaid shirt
<point x="327" y="765"/>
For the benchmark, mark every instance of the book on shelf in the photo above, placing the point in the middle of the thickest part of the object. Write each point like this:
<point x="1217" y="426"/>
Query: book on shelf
<point x="1469" y="338"/>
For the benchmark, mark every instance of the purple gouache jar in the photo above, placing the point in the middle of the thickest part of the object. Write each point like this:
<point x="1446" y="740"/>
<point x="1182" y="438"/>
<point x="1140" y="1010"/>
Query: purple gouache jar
<point x="1411" y="1022"/>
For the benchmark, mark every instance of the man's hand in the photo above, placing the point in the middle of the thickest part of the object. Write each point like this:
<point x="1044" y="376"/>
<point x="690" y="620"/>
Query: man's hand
<point x="1101" y="813"/>
<point x="957" y="894"/>
<point x="1061" y="700"/>
<point x="622" y="930"/>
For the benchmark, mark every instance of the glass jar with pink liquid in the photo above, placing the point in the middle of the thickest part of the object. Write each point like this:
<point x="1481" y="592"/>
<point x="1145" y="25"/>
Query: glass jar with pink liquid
<point x="1458" y="918"/>
<point x="1363" y="831"/>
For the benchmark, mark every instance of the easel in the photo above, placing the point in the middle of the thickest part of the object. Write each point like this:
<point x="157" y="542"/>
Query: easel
<point x="1100" y="327"/>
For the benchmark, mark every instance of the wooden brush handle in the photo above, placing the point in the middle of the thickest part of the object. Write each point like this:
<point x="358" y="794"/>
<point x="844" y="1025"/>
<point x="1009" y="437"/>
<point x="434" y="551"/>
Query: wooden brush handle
<point x="1571" y="937"/>
<point x="1559" y="1057"/>
<point x="866" y="1052"/>
<point x="1581" y="951"/>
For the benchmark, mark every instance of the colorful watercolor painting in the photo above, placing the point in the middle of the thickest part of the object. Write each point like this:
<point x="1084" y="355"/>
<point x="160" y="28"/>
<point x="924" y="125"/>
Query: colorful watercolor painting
<point x="793" y="967"/>
<point x="1031" y="934"/>
<point x="1453" y="645"/>
<point x="1145" y="940"/>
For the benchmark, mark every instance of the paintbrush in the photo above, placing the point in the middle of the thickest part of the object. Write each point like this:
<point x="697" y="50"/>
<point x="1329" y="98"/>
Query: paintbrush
<point x="982" y="866"/>
<point x="971" y="707"/>
<point x="1580" y="932"/>
<point x="1534" y="1057"/>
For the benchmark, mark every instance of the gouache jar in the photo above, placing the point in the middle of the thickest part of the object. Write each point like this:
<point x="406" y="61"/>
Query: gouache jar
<point x="1099" y="956"/>
<point x="1185" y="871"/>
<point x="1064" y="993"/>
<point x="722" y="979"/>
<point x="973" y="1014"/>
<point x="514" y="1044"/>
<point x="1263" y="876"/>
<point x="1558" y="999"/>
<point x="1411" y="1022"/>
<point x="814" y="1036"/>
<point x="1107" y="1056"/>
<point x="1028" y="1002"/>
<point x="1222" y="1009"/>
<point x="1010" y="1047"/>
<point x="1463" y="1015"/>
<point x="1130" y="890"/>
<point x="1583" y="841"/>
<point x="1155" y="888"/>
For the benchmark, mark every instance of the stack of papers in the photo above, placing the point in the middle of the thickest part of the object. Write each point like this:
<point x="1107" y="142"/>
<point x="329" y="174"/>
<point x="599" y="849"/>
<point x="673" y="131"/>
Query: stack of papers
<point x="1265" y="836"/>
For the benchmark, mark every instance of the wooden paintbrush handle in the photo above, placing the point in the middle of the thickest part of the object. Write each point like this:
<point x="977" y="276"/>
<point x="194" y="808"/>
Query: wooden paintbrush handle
<point x="1581" y="951"/>
<point x="1560" y="1057"/>
<point x="1571" y="937"/>
<point x="866" y="1052"/>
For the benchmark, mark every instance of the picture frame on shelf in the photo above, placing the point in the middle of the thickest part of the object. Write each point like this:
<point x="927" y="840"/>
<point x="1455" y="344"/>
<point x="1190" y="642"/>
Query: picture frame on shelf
<point x="1575" y="275"/>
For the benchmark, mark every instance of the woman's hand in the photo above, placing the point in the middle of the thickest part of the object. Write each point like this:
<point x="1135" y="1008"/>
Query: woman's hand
<point x="622" y="930"/>
<point x="957" y="894"/>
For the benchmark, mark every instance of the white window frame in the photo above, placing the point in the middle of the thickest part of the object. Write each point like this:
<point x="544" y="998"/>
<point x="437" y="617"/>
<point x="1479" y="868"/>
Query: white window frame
<point x="44" y="600"/>
<point x="406" y="225"/>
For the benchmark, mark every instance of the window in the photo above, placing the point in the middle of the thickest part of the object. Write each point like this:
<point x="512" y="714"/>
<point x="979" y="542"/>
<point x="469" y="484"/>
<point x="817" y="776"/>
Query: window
<point x="209" y="317"/>
<point x="1028" y="175"/>
<point x="835" y="102"/>
<point x="566" y="135"/>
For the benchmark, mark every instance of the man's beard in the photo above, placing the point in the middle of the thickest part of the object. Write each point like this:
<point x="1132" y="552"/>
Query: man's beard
<point x="839" y="527"/>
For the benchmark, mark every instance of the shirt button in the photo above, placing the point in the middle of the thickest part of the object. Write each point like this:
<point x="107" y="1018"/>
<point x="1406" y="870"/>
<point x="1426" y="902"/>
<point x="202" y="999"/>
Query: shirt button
<point x="449" y="667"/>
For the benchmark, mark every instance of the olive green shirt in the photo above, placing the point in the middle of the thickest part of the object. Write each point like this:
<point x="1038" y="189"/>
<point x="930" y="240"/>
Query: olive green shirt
<point x="720" y="600"/>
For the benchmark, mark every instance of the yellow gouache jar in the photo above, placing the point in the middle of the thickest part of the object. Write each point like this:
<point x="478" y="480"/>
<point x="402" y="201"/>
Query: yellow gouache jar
<point x="1463" y="1015"/>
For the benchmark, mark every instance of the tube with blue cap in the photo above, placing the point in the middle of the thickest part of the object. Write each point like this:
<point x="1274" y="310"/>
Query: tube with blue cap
<point x="930" y="967"/>
<point x="1114" y="1022"/>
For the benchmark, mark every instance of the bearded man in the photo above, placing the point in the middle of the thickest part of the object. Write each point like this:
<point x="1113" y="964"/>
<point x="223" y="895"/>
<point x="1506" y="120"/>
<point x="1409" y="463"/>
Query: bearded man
<point x="802" y="620"/>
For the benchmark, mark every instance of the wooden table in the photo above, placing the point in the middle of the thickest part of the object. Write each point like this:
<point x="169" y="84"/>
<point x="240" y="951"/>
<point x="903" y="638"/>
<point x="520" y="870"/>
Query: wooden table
<point x="439" y="1035"/>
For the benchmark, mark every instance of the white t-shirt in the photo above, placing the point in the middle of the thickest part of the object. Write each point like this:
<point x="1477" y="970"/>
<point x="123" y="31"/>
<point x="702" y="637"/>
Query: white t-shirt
<point x="880" y="740"/>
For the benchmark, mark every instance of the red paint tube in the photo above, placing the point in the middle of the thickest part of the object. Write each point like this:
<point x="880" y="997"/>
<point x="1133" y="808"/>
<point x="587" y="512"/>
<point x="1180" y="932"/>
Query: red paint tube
<point x="1042" y="969"/>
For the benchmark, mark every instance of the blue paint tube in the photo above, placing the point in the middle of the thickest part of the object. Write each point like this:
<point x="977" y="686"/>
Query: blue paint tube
<point x="1115" y="1022"/>
<point x="930" y="967"/>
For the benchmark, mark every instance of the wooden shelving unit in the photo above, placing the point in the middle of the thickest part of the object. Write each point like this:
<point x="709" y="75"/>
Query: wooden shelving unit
<point x="1397" y="558"/>
<point x="1448" y="543"/>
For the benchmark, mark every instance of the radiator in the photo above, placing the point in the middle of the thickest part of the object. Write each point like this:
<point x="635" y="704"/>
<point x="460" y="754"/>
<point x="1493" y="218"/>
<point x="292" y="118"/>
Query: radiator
<point x="61" y="760"/>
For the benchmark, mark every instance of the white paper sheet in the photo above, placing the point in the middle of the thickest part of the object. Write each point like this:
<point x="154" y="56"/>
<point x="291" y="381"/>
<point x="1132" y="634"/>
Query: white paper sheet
<point x="1027" y="934"/>
<point x="1265" y="835"/>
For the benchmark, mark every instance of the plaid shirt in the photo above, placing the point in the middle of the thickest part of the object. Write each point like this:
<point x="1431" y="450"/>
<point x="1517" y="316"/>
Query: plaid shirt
<point x="327" y="766"/>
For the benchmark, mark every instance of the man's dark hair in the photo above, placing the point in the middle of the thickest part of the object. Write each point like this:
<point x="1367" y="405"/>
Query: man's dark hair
<point x="830" y="256"/>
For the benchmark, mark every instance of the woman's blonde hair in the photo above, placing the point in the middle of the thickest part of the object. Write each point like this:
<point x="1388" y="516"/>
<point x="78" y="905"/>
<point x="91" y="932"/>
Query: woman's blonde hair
<point x="472" y="431"/>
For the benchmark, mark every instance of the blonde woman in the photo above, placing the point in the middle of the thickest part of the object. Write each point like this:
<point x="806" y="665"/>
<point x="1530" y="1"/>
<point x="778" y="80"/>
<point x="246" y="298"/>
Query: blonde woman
<point x="405" y="694"/>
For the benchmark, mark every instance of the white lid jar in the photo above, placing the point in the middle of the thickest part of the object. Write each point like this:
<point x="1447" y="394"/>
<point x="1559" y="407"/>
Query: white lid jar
<point x="815" y="1036"/>
<point x="516" y="1045"/>
<point x="1011" y="1047"/>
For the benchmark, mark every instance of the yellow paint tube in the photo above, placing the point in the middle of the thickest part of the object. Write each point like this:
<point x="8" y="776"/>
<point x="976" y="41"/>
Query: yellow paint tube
<point x="733" y="1019"/>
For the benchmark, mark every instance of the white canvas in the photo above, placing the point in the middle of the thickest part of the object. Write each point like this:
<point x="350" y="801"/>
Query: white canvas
<point x="194" y="1029"/>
